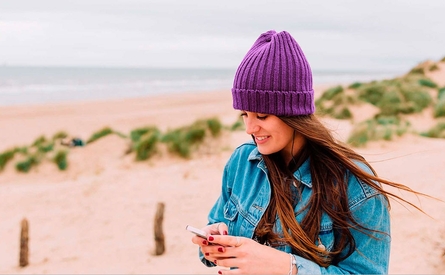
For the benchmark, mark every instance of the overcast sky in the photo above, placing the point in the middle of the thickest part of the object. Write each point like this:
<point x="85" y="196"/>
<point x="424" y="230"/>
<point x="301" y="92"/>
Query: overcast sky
<point x="335" y="35"/>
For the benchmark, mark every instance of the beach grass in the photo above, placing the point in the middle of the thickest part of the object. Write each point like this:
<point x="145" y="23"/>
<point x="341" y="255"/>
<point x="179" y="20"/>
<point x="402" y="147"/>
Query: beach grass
<point x="61" y="160"/>
<point x="433" y="68"/>
<point x="100" y="134"/>
<point x="144" y="141"/>
<point x="5" y="157"/>
<point x="334" y="102"/>
<point x="437" y="131"/>
<point x="378" y="128"/>
<point x="26" y="165"/>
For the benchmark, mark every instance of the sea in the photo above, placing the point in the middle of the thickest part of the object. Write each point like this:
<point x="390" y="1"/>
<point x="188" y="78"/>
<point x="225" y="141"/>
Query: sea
<point x="41" y="85"/>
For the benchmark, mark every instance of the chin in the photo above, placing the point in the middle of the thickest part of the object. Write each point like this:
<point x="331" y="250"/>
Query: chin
<point x="264" y="151"/>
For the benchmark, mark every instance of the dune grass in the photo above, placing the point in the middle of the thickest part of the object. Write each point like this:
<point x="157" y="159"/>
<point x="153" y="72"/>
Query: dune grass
<point x="181" y="141"/>
<point x="60" y="135"/>
<point x="5" y="157"/>
<point x="61" y="160"/>
<point x="100" y="134"/>
<point x="334" y="102"/>
<point x="25" y="165"/>
<point x="427" y="83"/>
<point x="395" y="99"/>
<point x="144" y="141"/>
<point x="438" y="131"/>
<point x="378" y="128"/>
<point x="433" y="67"/>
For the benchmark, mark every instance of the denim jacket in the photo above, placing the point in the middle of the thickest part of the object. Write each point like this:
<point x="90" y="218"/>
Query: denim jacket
<point x="246" y="193"/>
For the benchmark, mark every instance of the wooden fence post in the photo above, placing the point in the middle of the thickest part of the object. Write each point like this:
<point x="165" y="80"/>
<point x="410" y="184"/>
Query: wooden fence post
<point x="24" y="238"/>
<point x="159" y="234"/>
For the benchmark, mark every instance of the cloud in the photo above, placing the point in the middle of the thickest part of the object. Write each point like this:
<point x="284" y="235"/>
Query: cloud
<point x="201" y="33"/>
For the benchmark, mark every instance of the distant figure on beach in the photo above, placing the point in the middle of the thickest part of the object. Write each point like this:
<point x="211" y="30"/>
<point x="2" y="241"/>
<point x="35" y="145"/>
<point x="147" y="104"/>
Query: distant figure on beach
<point x="293" y="200"/>
<point x="73" y="142"/>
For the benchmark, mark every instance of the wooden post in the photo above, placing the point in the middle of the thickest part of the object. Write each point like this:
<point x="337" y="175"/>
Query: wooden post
<point x="24" y="238"/>
<point x="159" y="234"/>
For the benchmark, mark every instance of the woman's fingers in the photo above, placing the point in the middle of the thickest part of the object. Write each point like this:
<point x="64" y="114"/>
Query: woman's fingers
<point x="199" y="241"/>
<point x="226" y="240"/>
<point x="219" y="228"/>
<point x="222" y="228"/>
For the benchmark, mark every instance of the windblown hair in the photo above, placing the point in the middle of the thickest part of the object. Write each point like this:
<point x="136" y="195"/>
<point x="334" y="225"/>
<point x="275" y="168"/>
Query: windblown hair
<point x="329" y="162"/>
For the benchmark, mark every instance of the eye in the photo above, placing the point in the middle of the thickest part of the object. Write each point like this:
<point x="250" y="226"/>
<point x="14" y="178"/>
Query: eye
<point x="261" y="117"/>
<point x="243" y="114"/>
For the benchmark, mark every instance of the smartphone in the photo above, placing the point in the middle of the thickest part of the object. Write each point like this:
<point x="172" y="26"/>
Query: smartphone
<point x="196" y="231"/>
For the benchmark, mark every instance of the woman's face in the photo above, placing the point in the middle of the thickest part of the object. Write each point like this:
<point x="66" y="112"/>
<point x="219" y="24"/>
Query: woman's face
<point x="272" y="135"/>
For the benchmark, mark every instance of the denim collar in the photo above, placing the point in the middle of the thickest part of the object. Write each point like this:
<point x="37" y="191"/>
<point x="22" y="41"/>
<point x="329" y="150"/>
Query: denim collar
<point x="303" y="173"/>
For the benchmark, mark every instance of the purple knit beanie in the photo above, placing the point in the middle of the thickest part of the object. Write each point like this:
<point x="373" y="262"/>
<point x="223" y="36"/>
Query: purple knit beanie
<point x="274" y="78"/>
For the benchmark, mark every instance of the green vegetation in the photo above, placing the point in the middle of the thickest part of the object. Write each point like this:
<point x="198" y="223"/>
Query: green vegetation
<point x="439" y="108"/>
<point x="60" y="159"/>
<point x="334" y="102"/>
<point x="355" y="85"/>
<point x="395" y="99"/>
<point x="396" y="96"/>
<point x="379" y="128"/>
<point x="5" y="157"/>
<point x="237" y="125"/>
<point x="215" y="126"/>
<point x="417" y="70"/>
<point x="100" y="134"/>
<point x="438" y="131"/>
<point x="144" y="142"/>
<point x="60" y="135"/>
<point x="434" y="67"/>
<point x="427" y="83"/>
<point x="441" y="93"/>
<point x="180" y="140"/>
<point x="25" y="165"/>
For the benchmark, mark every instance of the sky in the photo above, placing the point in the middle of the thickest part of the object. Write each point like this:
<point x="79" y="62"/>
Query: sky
<point x="376" y="35"/>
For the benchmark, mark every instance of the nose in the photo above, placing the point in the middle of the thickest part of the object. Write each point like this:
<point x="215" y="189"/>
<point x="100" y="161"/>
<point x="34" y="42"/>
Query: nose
<point x="251" y="125"/>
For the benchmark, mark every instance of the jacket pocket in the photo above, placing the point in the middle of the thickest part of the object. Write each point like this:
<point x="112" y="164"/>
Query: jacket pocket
<point x="230" y="210"/>
<point x="231" y="214"/>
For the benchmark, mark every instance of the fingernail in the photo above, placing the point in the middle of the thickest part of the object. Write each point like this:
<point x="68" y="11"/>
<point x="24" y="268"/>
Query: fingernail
<point x="211" y="238"/>
<point x="219" y="272"/>
<point x="207" y="254"/>
<point x="225" y="233"/>
<point x="220" y="249"/>
<point x="215" y="261"/>
<point x="204" y="242"/>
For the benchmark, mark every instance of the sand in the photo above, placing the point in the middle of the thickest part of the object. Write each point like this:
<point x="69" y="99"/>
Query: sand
<point x="98" y="216"/>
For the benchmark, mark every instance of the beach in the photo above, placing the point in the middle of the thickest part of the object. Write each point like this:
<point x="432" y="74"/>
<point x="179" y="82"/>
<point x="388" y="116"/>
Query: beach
<point x="97" y="217"/>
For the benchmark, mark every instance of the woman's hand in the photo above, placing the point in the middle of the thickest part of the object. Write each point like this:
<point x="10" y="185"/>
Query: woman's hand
<point x="205" y="245"/>
<point x="248" y="256"/>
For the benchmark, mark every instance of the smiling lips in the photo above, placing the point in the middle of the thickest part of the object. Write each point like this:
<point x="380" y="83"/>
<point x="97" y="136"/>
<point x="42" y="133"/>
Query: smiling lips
<point x="261" y="139"/>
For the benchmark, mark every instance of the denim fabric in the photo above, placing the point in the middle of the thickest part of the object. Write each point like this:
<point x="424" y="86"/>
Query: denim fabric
<point x="245" y="196"/>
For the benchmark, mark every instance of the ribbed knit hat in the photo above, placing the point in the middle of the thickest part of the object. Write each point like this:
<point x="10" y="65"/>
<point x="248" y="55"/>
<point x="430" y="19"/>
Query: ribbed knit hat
<point x="274" y="78"/>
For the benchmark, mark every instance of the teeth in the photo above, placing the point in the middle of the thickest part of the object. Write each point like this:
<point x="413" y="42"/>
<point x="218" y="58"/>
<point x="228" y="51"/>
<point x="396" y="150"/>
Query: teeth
<point x="261" y="138"/>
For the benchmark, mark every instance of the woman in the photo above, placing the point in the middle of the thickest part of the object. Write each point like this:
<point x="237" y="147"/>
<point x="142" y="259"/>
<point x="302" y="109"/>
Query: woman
<point x="294" y="200"/>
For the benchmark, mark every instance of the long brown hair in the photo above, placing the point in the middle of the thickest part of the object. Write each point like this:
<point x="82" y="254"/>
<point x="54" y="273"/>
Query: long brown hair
<point x="329" y="162"/>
